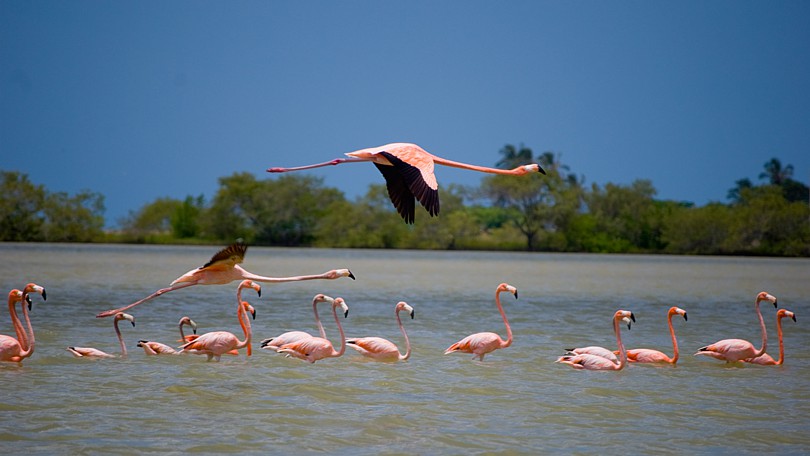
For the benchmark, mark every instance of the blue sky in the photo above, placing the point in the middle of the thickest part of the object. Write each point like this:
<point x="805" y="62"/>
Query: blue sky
<point x="140" y="100"/>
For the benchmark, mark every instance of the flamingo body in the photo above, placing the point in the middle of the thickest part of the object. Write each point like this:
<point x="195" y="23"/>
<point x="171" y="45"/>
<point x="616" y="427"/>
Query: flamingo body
<point x="317" y="348"/>
<point x="274" y="343"/>
<point x="646" y="355"/>
<point x="479" y="344"/>
<point x="766" y="359"/>
<point x="409" y="174"/>
<point x="380" y="349"/>
<point x="587" y="361"/>
<point x="217" y="343"/>
<point x="733" y="350"/>
<point x="596" y="351"/>
<point x="89" y="352"/>
<point x="223" y="268"/>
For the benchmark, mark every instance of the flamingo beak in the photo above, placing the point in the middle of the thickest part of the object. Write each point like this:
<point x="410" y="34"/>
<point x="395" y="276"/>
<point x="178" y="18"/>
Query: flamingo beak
<point x="351" y="275"/>
<point x="253" y="312"/>
<point x="412" y="312"/>
<point x="684" y="317"/>
<point x="794" y="317"/>
<point x="516" y="294"/>
<point x="28" y="300"/>
<point x="44" y="296"/>
<point x="346" y="313"/>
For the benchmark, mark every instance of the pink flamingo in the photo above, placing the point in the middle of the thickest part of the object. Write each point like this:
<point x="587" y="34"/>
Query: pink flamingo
<point x="380" y="349"/>
<point x="16" y="350"/>
<point x="157" y="348"/>
<point x="274" y="343"/>
<point x="22" y="336"/>
<point x="408" y="173"/>
<point x="217" y="343"/>
<point x="223" y="269"/>
<point x="766" y="359"/>
<point x="587" y="361"/>
<point x="316" y="348"/>
<point x="733" y="350"/>
<point x="646" y="355"/>
<point x="484" y="342"/>
<point x="87" y="352"/>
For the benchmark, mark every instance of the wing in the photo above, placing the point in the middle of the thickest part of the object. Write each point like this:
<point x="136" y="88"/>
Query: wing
<point x="229" y="256"/>
<point x="406" y="181"/>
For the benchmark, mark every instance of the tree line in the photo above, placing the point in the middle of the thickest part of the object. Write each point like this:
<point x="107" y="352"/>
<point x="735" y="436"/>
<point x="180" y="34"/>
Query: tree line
<point x="555" y="212"/>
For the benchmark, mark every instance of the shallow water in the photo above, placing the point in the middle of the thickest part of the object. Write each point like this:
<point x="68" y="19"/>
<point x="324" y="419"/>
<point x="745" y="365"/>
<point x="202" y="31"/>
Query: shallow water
<point x="517" y="401"/>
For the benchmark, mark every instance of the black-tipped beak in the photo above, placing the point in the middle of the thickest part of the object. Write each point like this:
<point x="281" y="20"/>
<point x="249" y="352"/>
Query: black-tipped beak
<point x="133" y="324"/>
<point x="44" y="296"/>
<point x="412" y="312"/>
<point x="260" y="292"/>
<point x="632" y="317"/>
<point x="351" y="275"/>
<point x="194" y="330"/>
<point x="794" y="318"/>
<point x="516" y="294"/>
<point x="684" y="317"/>
<point x="254" y="314"/>
<point x="541" y="170"/>
<point x="346" y="314"/>
<point x="774" y="304"/>
<point x="30" y="304"/>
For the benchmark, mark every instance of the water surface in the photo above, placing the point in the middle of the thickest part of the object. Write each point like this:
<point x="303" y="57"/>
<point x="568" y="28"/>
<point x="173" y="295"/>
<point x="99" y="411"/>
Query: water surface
<point x="516" y="401"/>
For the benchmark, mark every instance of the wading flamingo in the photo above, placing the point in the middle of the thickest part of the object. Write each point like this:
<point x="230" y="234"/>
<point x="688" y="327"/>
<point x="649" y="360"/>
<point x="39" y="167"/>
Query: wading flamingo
<point x="223" y="269"/>
<point x="289" y="337"/>
<point x="484" y="342"/>
<point x="733" y="350"/>
<point x="408" y="173"/>
<point x="11" y="349"/>
<point x="316" y="348"/>
<point x="646" y="355"/>
<point x="217" y="343"/>
<point x="587" y="361"/>
<point x="766" y="359"/>
<point x="87" y="352"/>
<point x="380" y="349"/>
<point x="22" y="336"/>
<point x="157" y="348"/>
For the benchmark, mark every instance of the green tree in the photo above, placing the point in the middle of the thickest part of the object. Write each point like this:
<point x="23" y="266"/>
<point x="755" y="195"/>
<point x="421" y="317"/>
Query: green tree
<point x="185" y="220"/>
<point x="627" y="214"/>
<point x="154" y="218"/>
<point x="21" y="205"/>
<point x="77" y="218"/>
<point x="775" y="173"/>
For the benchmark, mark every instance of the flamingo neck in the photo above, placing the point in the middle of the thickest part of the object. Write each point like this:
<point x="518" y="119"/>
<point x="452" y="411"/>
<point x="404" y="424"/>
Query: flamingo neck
<point x="675" y="353"/>
<point x="244" y="322"/>
<point x="340" y="352"/>
<point x="22" y="337"/>
<point x="622" y="351"/>
<point x="182" y="336"/>
<point x="764" y="332"/>
<point x="120" y="339"/>
<point x="29" y="350"/>
<point x="781" y="343"/>
<point x="407" y="341"/>
<point x="508" y="341"/>
<point x="321" y="330"/>
<point x="483" y="169"/>
<point x="244" y="274"/>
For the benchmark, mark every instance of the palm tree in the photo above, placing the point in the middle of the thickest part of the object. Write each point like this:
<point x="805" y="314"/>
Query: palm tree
<point x="775" y="173"/>
<point x="513" y="157"/>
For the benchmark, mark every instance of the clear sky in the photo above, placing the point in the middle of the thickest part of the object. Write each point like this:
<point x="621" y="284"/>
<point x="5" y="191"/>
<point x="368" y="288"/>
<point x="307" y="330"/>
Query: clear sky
<point x="140" y="100"/>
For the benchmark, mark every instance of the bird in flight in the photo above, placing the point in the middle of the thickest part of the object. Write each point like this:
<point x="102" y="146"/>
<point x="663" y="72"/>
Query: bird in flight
<point x="408" y="173"/>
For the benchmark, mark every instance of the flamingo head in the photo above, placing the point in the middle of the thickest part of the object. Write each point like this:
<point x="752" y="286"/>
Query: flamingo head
<point x="320" y="297"/>
<point x="124" y="316"/>
<point x="339" y="302"/>
<point x="249" y="309"/>
<point x="338" y="273"/>
<point x="190" y="322"/>
<point x="785" y="313"/>
<point x="14" y="296"/>
<point x="506" y="287"/>
<point x="532" y="168"/>
<point x="32" y="287"/>
<point x="250" y="284"/>
<point x="402" y="305"/>
<point x="678" y="311"/>
<point x="765" y="296"/>
<point x="625" y="316"/>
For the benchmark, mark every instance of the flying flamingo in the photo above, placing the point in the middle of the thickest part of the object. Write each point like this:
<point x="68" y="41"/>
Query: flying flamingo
<point x="484" y="342"/>
<point x="87" y="352"/>
<point x="766" y="359"/>
<point x="289" y="337"/>
<point x="315" y="348"/>
<point x="733" y="350"/>
<point x="587" y="361"/>
<point x="224" y="268"/>
<point x="16" y="350"/>
<point x="408" y="173"/>
<point x="380" y="349"/>
<point x="646" y="355"/>
<point x="217" y="343"/>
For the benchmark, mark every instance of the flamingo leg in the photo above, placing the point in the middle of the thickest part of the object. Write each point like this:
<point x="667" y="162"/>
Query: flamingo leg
<point x="109" y="313"/>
